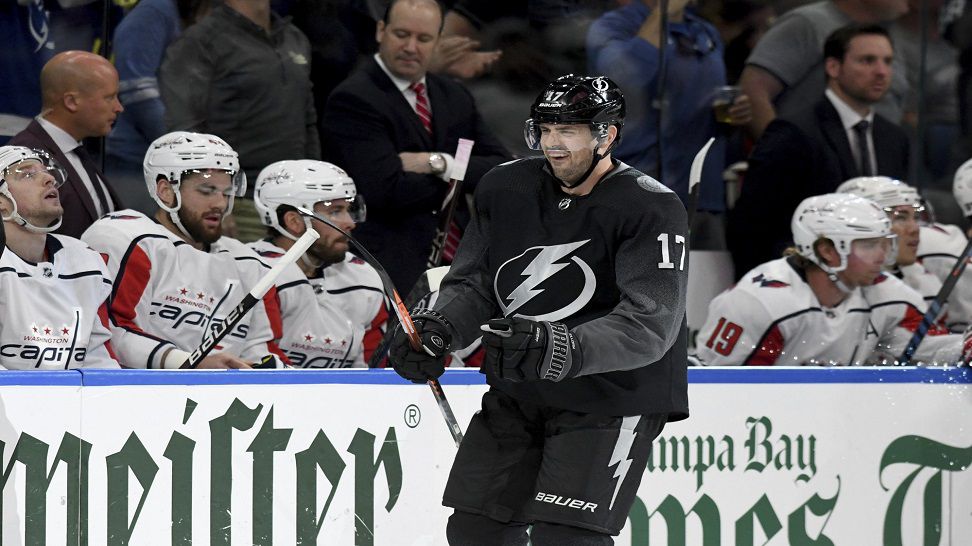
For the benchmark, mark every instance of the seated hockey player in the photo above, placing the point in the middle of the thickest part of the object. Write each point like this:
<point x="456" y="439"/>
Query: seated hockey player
<point x="53" y="288"/>
<point x="904" y="208"/>
<point x="347" y="289"/>
<point x="828" y="302"/>
<point x="941" y="245"/>
<point x="175" y="275"/>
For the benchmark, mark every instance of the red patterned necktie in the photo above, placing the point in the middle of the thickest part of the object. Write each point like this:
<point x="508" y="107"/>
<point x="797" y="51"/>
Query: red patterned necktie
<point x="422" y="105"/>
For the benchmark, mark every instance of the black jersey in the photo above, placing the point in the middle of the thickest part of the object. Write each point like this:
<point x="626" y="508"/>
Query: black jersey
<point x="612" y="265"/>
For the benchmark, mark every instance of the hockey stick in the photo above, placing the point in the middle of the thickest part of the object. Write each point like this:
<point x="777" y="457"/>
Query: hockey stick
<point x="695" y="180"/>
<point x="935" y="307"/>
<point x="214" y="336"/>
<point x="404" y="318"/>
<point x="456" y="178"/>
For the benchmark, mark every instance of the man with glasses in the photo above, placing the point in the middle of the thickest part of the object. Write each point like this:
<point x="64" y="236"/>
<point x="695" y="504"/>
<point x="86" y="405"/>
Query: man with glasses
<point x="176" y="275"/>
<point x="53" y="288"/>
<point x="828" y="302"/>
<point x="347" y="289"/>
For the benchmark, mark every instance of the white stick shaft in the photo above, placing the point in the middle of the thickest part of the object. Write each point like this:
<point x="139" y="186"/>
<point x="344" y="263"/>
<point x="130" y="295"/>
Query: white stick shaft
<point x="300" y="247"/>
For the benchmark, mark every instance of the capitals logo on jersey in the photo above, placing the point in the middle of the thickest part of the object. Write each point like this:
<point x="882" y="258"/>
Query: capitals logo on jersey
<point x="545" y="283"/>
<point x="45" y="344"/>
<point x="769" y="283"/>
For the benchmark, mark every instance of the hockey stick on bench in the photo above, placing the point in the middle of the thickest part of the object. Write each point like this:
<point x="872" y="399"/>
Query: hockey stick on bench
<point x="214" y="336"/>
<point x="935" y="307"/>
<point x="403" y="317"/>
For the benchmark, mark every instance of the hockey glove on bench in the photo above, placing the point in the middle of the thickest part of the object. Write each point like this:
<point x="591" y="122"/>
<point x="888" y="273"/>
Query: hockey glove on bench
<point x="429" y="363"/>
<point x="518" y="349"/>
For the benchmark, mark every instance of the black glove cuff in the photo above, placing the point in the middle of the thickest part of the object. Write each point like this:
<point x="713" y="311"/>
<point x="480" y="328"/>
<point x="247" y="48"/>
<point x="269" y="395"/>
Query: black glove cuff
<point x="444" y="330"/>
<point x="561" y="347"/>
<point x="429" y="314"/>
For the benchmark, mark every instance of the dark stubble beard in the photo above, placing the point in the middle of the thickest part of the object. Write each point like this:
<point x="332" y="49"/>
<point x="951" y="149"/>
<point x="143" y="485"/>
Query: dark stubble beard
<point x="195" y="230"/>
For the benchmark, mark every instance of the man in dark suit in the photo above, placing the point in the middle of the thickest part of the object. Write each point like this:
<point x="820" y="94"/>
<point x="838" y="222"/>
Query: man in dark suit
<point x="813" y="151"/>
<point x="80" y="100"/>
<point x="393" y="127"/>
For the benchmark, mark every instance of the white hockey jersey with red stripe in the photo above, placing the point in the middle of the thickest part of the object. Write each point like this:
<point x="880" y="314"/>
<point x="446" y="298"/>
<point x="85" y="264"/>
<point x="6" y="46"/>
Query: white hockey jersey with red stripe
<point x="317" y="331"/>
<point x="772" y="317"/>
<point x="167" y="293"/>
<point x="53" y="314"/>
<point x="356" y="288"/>
<point x="939" y="247"/>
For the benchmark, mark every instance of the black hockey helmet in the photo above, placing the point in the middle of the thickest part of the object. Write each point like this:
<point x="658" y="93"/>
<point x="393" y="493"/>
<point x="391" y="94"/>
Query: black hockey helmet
<point x="595" y="100"/>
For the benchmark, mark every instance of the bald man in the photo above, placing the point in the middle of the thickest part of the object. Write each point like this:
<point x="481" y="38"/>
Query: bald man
<point x="80" y="100"/>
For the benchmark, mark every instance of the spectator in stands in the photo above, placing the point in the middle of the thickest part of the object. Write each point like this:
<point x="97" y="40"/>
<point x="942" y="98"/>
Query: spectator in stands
<point x="53" y="288"/>
<point x="175" y="275"/>
<point x="741" y="24"/>
<point x="827" y="302"/>
<point x="623" y="45"/>
<point x="560" y="24"/>
<point x="80" y="100"/>
<point x="930" y="94"/>
<point x="140" y="42"/>
<point x="27" y="43"/>
<point x="243" y="73"/>
<point x="394" y="127"/>
<point x="785" y="71"/>
<point x="956" y="24"/>
<point x="814" y="150"/>
<point x="347" y="288"/>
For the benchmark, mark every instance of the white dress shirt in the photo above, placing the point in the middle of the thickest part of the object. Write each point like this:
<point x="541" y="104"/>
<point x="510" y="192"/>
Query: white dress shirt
<point x="849" y="118"/>
<point x="403" y="86"/>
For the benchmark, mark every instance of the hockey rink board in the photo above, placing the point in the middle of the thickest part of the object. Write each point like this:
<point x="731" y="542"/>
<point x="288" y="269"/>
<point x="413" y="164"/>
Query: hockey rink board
<point x="359" y="457"/>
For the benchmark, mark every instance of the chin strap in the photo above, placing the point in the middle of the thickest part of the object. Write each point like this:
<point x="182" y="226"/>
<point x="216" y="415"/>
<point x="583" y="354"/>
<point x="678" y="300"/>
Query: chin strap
<point x="837" y="282"/>
<point x="595" y="159"/>
<point x="16" y="218"/>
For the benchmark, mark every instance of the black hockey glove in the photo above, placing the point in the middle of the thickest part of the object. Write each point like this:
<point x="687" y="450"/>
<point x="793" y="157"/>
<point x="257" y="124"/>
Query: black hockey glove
<point x="429" y="363"/>
<point x="518" y="349"/>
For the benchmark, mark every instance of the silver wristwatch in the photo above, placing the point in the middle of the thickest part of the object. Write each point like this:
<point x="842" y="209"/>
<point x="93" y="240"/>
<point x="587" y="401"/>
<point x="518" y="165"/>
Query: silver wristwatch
<point x="437" y="163"/>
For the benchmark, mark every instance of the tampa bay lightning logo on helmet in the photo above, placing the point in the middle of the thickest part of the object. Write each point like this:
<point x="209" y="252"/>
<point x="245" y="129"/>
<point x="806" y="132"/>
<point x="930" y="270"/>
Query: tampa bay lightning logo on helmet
<point x="545" y="282"/>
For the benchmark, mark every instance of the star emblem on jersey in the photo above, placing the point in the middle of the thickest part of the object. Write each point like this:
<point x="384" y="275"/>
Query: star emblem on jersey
<point x="522" y="288"/>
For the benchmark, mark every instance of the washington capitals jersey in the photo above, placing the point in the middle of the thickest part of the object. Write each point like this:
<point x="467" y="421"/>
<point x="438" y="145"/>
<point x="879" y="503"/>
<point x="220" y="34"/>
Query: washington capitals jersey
<point x="939" y="247"/>
<point x="356" y="288"/>
<point x="612" y="265"/>
<point x="772" y="317"/>
<point x="52" y="313"/>
<point x="317" y="332"/>
<point x="167" y="293"/>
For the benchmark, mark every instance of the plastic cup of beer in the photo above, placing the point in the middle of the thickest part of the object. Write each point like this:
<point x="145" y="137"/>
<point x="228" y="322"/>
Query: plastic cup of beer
<point x="722" y="100"/>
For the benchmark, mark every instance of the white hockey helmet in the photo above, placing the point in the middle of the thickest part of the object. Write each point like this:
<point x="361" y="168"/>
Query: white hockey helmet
<point x="176" y="154"/>
<point x="842" y="218"/>
<point x="303" y="183"/>
<point x="10" y="159"/>
<point x="962" y="187"/>
<point x="885" y="191"/>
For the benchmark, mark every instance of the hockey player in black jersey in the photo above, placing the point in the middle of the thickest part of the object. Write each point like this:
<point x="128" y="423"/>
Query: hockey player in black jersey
<point x="574" y="271"/>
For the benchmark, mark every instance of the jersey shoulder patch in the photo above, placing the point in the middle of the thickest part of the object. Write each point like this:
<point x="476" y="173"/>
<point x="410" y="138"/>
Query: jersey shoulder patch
<point x="765" y="282"/>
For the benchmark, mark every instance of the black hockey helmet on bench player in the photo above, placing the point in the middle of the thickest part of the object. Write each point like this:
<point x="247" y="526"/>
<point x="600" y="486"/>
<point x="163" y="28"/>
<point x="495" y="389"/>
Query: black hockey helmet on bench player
<point x="593" y="100"/>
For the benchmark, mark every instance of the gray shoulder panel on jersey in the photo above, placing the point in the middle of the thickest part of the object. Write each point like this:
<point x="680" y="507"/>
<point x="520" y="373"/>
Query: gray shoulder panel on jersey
<point x="644" y="181"/>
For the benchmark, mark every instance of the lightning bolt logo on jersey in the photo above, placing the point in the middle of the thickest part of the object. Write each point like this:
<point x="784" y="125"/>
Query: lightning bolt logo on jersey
<point x="545" y="282"/>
